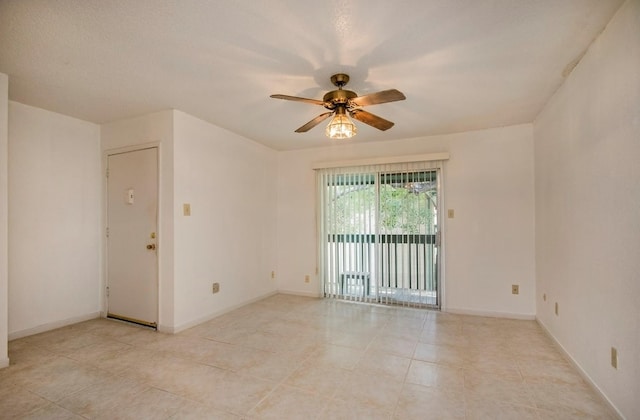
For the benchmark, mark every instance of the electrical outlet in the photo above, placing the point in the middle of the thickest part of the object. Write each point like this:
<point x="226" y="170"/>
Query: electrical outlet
<point x="556" y="308"/>
<point x="307" y="279"/>
<point x="614" y="357"/>
<point x="215" y="288"/>
<point x="186" y="209"/>
<point x="515" y="289"/>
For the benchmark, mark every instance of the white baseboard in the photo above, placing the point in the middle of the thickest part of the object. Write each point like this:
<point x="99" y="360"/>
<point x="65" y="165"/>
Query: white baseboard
<point x="579" y="368"/>
<point x="53" y="325"/>
<point x="491" y="314"/>
<point x="299" y="293"/>
<point x="4" y="362"/>
<point x="187" y="325"/>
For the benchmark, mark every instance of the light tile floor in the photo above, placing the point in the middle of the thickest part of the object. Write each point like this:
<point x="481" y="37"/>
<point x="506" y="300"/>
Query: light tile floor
<point x="288" y="357"/>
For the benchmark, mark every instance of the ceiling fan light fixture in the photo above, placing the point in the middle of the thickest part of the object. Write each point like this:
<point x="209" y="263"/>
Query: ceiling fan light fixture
<point x="341" y="126"/>
<point x="343" y="104"/>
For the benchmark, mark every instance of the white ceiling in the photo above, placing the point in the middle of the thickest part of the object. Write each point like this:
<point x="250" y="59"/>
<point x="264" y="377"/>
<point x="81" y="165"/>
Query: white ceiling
<point x="463" y="64"/>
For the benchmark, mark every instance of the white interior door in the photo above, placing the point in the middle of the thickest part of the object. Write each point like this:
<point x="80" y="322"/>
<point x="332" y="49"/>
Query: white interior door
<point x="132" y="219"/>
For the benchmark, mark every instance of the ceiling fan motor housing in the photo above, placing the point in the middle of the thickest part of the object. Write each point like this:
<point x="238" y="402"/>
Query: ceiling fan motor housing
<point x="336" y="97"/>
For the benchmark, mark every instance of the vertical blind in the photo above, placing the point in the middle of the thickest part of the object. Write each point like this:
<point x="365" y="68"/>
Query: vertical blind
<point x="377" y="228"/>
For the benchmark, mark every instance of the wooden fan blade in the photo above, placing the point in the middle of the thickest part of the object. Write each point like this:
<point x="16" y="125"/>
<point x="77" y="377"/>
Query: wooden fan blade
<point x="372" y="120"/>
<point x="317" y="120"/>
<point x="390" y="95"/>
<point x="298" y="99"/>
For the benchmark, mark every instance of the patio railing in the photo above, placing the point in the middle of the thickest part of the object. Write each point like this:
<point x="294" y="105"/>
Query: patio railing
<point x="377" y="266"/>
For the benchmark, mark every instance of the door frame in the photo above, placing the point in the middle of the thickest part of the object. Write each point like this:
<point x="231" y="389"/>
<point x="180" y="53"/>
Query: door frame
<point x="104" y="299"/>
<point x="440" y="269"/>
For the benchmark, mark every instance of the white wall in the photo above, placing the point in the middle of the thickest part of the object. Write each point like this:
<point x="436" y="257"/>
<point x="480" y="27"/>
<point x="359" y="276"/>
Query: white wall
<point x="54" y="219"/>
<point x="488" y="181"/>
<point x="587" y="175"/>
<point x="230" y="183"/>
<point x="153" y="128"/>
<point x="4" y="199"/>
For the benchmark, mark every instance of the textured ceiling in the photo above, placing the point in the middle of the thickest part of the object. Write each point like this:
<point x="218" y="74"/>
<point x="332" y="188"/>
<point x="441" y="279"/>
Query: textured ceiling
<point x="463" y="65"/>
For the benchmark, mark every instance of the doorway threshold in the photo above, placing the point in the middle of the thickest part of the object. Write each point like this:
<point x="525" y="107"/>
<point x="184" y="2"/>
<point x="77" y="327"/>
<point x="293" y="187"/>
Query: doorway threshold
<point x="150" y="325"/>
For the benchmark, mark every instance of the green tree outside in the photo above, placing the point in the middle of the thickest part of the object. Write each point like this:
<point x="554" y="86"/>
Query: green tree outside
<point x="403" y="210"/>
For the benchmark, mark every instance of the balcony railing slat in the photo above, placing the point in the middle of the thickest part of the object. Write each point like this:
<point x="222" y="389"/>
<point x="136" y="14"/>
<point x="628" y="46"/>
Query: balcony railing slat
<point x="416" y="250"/>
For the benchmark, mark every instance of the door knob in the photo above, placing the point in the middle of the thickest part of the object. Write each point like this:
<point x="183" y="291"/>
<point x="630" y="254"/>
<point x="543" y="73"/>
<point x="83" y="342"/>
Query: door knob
<point x="151" y="246"/>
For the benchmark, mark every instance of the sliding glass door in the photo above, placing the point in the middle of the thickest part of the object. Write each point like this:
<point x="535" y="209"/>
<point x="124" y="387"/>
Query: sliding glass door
<point x="379" y="234"/>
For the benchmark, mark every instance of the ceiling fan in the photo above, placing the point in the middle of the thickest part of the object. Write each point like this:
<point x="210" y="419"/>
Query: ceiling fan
<point x="343" y="103"/>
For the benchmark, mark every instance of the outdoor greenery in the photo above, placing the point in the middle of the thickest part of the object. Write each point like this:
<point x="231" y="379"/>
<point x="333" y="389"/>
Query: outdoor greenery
<point x="403" y="209"/>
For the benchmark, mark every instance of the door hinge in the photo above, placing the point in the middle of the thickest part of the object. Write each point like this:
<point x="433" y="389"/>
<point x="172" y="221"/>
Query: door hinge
<point x="107" y="291"/>
<point x="107" y="232"/>
<point x="107" y="174"/>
